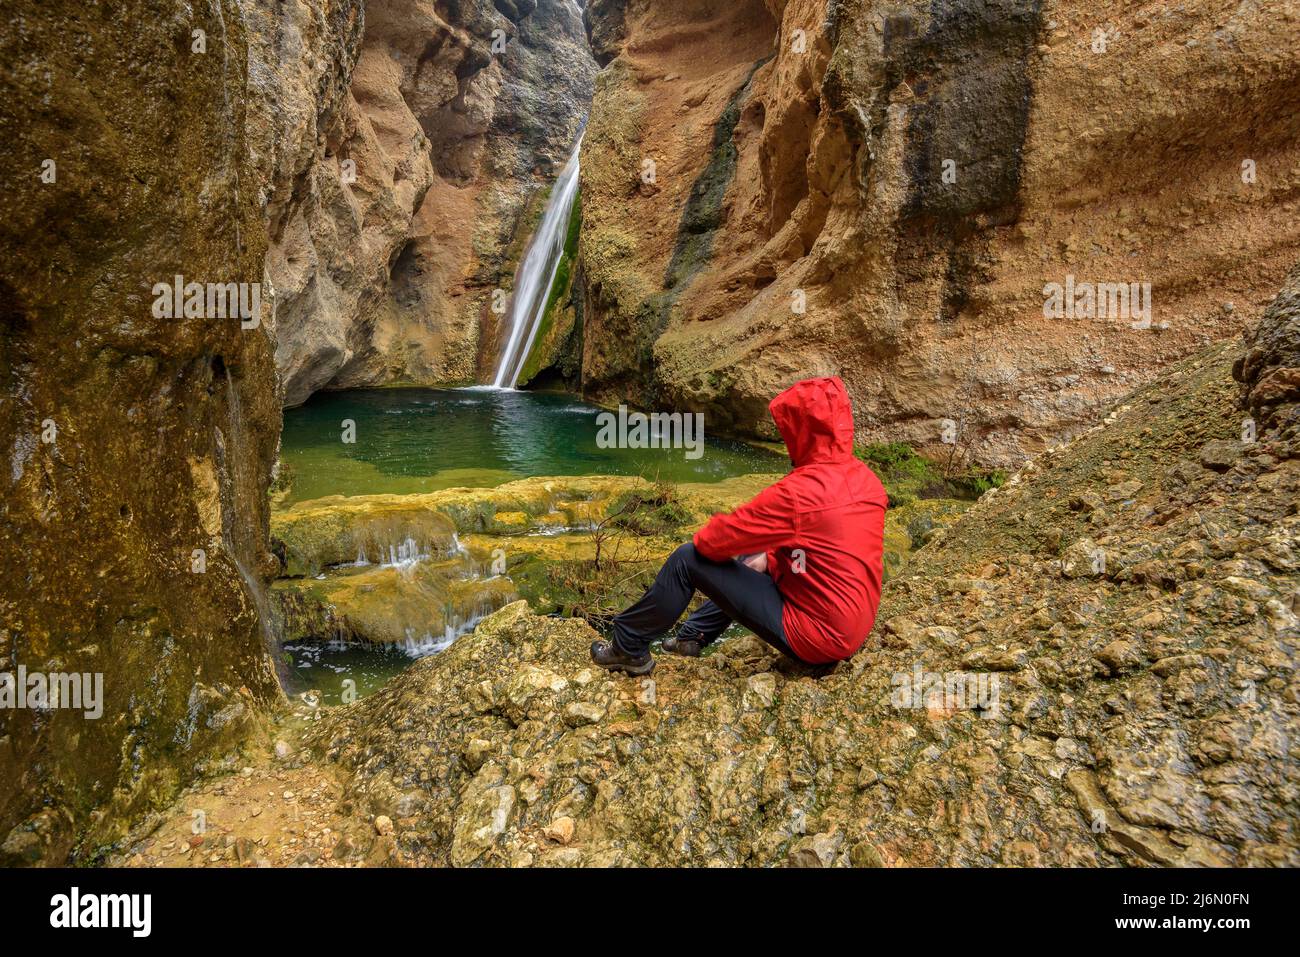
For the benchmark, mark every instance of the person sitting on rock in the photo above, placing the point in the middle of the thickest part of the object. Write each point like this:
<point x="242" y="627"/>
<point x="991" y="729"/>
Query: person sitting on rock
<point x="799" y="565"/>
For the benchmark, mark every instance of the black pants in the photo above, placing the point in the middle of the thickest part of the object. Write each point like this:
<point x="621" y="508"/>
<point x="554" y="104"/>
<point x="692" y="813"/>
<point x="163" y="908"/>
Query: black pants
<point x="736" y="593"/>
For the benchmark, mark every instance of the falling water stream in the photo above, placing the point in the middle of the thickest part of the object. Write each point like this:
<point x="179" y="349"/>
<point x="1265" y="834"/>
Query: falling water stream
<point x="536" y="273"/>
<point x="234" y="534"/>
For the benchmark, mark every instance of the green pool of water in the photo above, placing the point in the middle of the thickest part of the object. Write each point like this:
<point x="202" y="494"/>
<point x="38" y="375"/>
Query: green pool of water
<point x="329" y="666"/>
<point x="421" y="440"/>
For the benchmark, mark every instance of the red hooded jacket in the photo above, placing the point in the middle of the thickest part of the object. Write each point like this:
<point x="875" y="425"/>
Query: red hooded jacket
<point x="822" y="526"/>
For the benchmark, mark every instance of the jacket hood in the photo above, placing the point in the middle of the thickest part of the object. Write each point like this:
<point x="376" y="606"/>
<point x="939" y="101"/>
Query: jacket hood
<point x="815" y="419"/>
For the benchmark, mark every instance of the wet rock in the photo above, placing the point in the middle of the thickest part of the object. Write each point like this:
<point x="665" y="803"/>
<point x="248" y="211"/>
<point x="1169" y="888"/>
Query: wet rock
<point x="941" y="636"/>
<point x="1021" y="854"/>
<point x="864" y="854"/>
<point x="1087" y="501"/>
<point x="900" y="632"/>
<point x="383" y="825"/>
<point x="476" y="752"/>
<point x="966" y="586"/>
<point x="22" y="846"/>
<point x="345" y="849"/>
<point x="307" y="858"/>
<point x="484" y="814"/>
<point x="1176" y="663"/>
<point x="1123" y="491"/>
<point x="155" y="525"/>
<point x="760" y="691"/>
<point x="532" y="686"/>
<point x="383" y="852"/>
<point x="1270" y="367"/>
<point x="996" y="659"/>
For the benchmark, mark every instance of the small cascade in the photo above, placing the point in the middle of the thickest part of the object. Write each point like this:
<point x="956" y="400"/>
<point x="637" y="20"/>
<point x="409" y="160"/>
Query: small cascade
<point x="547" y="531"/>
<point x="406" y="553"/>
<point x="457" y="549"/>
<point x="536" y="273"/>
<point x="457" y="625"/>
<point x="403" y="555"/>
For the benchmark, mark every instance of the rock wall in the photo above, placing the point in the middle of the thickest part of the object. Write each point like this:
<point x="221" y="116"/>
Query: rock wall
<point x="883" y="190"/>
<point x="418" y="150"/>
<point x="138" y="449"/>
<point x="1095" y="665"/>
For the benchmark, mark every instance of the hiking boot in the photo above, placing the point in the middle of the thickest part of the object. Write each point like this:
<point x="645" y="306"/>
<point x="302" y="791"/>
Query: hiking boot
<point x="677" y="645"/>
<point x="608" y="655"/>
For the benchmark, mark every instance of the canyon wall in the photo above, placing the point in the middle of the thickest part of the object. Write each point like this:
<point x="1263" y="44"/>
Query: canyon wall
<point x="369" y="169"/>
<point x="885" y="190"/>
<point x="138" y="448"/>
<point x="411" y="157"/>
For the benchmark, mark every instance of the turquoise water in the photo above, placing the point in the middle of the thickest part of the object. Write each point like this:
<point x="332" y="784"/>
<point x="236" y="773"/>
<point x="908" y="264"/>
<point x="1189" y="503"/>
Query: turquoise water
<point x="421" y="440"/>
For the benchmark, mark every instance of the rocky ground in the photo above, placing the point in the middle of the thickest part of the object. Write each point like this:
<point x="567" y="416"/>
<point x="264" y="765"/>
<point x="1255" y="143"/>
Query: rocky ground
<point x="265" y="807"/>
<point x="1134" y="595"/>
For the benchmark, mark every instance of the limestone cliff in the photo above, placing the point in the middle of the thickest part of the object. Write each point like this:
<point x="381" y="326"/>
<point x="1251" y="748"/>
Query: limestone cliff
<point x="403" y="160"/>
<point x="884" y="190"/>
<point x="138" y="449"/>
<point x="1130" y="601"/>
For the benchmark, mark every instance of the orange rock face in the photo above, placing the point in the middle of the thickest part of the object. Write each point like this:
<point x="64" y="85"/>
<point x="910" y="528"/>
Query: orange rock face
<point x="901" y="195"/>
<point x="405" y="151"/>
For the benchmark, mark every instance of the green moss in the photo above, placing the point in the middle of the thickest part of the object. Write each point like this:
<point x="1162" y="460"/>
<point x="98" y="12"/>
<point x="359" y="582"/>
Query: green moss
<point x="284" y="477"/>
<point x="703" y="213"/>
<point x="529" y="219"/>
<point x="656" y="510"/>
<point x="905" y="475"/>
<point x="310" y="539"/>
<point x="908" y="476"/>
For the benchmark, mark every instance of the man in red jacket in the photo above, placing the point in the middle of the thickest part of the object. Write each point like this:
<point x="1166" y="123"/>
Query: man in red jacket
<point x="800" y="565"/>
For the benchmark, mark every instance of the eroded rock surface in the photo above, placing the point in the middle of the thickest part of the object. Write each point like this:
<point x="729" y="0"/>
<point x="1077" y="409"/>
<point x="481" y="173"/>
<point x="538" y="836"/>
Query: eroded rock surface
<point x="137" y="449"/>
<point x="884" y="190"/>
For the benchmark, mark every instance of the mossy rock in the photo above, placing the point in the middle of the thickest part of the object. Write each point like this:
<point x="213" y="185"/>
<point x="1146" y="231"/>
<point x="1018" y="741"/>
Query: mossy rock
<point x="317" y="534"/>
<point x="389" y="605"/>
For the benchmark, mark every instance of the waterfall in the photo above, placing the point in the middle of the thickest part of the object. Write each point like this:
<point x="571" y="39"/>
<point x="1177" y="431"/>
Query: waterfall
<point x="237" y="459"/>
<point x="536" y="273"/>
